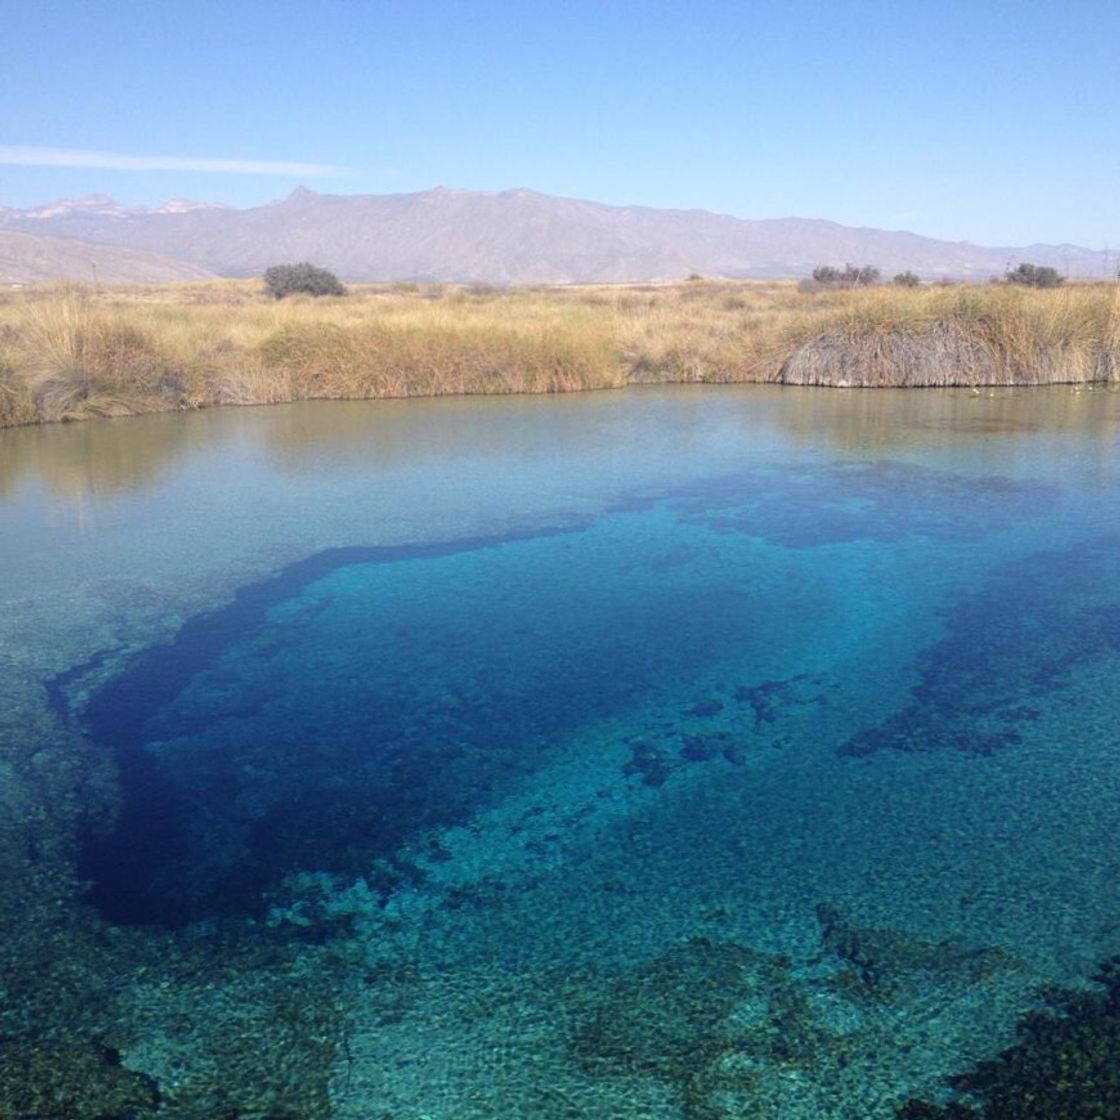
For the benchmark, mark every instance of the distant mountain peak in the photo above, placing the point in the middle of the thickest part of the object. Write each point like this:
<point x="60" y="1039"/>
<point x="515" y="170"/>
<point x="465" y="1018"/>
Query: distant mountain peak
<point x="87" y="204"/>
<point x="103" y="205"/>
<point x="186" y="206"/>
<point x="302" y="194"/>
<point x="517" y="235"/>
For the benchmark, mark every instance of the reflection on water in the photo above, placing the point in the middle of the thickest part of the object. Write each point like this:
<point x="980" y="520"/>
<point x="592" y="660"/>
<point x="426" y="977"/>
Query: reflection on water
<point x="896" y="419"/>
<point x="91" y="459"/>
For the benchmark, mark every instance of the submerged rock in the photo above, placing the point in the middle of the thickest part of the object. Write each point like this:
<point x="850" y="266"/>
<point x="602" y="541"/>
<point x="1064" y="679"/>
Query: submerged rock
<point x="650" y="761"/>
<point x="705" y="708"/>
<point x="880" y="958"/>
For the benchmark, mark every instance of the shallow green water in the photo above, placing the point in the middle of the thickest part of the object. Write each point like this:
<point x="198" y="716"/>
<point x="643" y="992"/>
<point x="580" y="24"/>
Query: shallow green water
<point x="555" y="715"/>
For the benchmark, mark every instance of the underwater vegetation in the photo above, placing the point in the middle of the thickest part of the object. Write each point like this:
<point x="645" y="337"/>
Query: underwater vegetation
<point x="735" y="1032"/>
<point x="1065" y="1066"/>
<point x="816" y="504"/>
<point x="226" y="1026"/>
<point x="981" y="682"/>
<point x="769" y="698"/>
<point x="671" y="1020"/>
<point x="654" y="759"/>
<point x="71" y="1080"/>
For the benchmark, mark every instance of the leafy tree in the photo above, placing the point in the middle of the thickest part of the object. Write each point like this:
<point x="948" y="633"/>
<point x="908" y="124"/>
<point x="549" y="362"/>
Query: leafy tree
<point x="907" y="279"/>
<point x="287" y="279"/>
<point x="1035" y="276"/>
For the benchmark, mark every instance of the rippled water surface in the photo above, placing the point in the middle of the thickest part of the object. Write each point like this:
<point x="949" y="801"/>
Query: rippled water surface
<point x="692" y="753"/>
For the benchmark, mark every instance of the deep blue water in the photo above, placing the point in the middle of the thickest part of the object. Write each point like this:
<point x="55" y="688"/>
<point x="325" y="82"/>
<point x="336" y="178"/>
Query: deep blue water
<point x="336" y="711"/>
<point x="755" y="692"/>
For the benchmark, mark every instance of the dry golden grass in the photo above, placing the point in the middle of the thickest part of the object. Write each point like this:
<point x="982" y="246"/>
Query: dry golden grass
<point x="994" y="335"/>
<point x="69" y="353"/>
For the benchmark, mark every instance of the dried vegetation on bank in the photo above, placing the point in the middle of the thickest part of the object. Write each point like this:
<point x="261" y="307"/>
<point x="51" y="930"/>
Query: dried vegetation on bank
<point x="69" y="352"/>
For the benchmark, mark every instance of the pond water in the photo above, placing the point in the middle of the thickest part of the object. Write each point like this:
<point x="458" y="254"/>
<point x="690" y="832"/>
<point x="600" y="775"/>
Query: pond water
<point x="677" y="753"/>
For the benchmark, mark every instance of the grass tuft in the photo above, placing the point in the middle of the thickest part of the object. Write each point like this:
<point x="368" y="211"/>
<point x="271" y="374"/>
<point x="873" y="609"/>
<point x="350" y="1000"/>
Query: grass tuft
<point x="69" y="353"/>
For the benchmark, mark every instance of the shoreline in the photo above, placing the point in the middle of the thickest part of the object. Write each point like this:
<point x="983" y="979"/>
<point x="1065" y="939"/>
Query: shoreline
<point x="70" y="353"/>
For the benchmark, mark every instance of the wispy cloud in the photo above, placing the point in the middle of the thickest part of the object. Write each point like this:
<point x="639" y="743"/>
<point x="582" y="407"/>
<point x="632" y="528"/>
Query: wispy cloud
<point x="117" y="161"/>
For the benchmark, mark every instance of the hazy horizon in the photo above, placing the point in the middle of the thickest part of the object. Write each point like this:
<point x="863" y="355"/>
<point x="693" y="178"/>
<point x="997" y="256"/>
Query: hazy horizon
<point x="168" y="202"/>
<point x="964" y="124"/>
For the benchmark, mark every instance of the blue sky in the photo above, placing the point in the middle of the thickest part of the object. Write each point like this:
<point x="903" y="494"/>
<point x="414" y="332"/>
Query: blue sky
<point x="986" y="121"/>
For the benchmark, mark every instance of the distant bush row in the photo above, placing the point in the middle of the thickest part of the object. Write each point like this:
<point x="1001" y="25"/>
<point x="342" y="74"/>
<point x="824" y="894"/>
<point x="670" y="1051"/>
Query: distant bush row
<point x="851" y="276"/>
<point x="1032" y="275"/>
<point x="282" y="280"/>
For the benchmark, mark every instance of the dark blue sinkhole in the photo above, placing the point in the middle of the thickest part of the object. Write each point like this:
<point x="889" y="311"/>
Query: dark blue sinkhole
<point x="320" y="719"/>
<point x="365" y="696"/>
<point x="338" y="713"/>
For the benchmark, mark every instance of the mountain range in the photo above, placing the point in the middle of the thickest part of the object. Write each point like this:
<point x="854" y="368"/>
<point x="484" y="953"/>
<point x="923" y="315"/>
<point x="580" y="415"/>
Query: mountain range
<point x="513" y="236"/>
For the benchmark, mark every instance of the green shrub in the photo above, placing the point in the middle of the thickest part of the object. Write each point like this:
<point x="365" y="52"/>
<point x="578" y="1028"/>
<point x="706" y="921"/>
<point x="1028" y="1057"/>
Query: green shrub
<point x="907" y="280"/>
<point x="847" y="277"/>
<point x="1035" y="276"/>
<point x="287" y="279"/>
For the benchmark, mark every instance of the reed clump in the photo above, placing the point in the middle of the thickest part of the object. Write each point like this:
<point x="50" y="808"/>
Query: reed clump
<point x="999" y="335"/>
<point x="69" y="353"/>
<point x="408" y="359"/>
<point x="73" y="360"/>
<point x="16" y="404"/>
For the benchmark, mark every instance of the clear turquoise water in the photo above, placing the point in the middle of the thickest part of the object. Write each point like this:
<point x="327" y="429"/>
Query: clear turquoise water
<point x="534" y="685"/>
